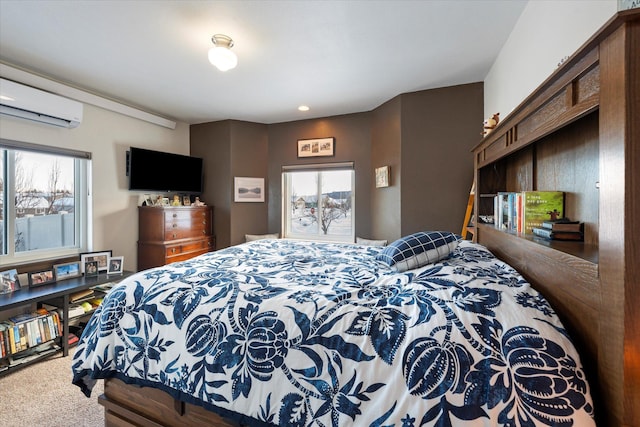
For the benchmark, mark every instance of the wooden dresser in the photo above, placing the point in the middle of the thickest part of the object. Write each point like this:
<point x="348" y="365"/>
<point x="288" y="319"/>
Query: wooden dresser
<point x="173" y="233"/>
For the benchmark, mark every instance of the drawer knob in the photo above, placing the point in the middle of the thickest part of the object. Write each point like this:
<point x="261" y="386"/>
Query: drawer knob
<point x="204" y="222"/>
<point x="174" y="225"/>
<point x="174" y="235"/>
<point x="175" y="215"/>
<point x="173" y="250"/>
<point x="204" y="232"/>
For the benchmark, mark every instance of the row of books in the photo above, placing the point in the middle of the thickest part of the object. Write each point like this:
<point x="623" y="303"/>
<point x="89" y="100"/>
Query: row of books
<point x="28" y="330"/>
<point x="521" y="212"/>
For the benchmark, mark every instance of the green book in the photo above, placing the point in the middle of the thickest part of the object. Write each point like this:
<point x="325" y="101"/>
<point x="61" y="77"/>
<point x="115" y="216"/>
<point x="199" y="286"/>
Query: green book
<point x="540" y="206"/>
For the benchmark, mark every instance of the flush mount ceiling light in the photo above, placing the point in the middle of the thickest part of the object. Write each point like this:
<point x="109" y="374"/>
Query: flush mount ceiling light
<point x="220" y="54"/>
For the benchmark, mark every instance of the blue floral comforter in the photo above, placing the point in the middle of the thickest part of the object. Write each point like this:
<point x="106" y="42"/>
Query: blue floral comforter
<point x="318" y="334"/>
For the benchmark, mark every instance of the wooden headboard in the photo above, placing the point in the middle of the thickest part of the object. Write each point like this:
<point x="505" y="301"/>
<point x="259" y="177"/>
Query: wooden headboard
<point x="579" y="132"/>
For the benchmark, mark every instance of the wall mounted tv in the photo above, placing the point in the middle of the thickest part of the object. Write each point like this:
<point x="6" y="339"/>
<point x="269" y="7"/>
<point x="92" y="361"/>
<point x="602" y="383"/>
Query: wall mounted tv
<point x="158" y="171"/>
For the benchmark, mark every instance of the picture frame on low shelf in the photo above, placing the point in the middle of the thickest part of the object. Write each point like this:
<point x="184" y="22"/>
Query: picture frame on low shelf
<point x="67" y="270"/>
<point x="39" y="278"/>
<point x="116" y="265"/>
<point x="102" y="258"/>
<point x="91" y="268"/>
<point x="9" y="281"/>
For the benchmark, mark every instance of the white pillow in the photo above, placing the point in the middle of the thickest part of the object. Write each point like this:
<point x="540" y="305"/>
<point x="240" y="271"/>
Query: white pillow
<point x="252" y="237"/>
<point x="418" y="249"/>
<point x="369" y="242"/>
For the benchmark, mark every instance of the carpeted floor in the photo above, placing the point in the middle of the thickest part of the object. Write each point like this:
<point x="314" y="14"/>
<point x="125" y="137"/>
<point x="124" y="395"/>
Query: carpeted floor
<point x="41" y="395"/>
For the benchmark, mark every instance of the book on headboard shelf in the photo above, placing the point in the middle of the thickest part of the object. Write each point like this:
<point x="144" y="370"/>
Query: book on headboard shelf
<point x="549" y="234"/>
<point x="541" y="206"/>
<point x="564" y="224"/>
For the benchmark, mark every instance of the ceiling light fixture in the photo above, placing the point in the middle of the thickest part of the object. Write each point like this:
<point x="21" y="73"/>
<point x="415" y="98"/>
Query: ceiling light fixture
<point x="303" y="108"/>
<point x="220" y="54"/>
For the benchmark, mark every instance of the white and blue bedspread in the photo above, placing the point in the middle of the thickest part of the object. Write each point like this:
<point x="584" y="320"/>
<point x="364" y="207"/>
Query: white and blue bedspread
<point x="317" y="334"/>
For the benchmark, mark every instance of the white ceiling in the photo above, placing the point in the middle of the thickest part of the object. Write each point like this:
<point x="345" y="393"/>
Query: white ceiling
<point x="338" y="57"/>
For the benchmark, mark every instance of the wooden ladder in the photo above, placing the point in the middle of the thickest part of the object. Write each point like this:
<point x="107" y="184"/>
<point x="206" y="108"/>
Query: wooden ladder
<point x="466" y="229"/>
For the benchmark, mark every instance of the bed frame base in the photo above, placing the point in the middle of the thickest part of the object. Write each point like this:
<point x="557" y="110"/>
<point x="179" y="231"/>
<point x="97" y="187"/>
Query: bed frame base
<point x="127" y="405"/>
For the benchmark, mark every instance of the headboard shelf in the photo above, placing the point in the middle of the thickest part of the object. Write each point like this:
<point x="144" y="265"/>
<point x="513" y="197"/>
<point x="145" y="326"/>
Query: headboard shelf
<point x="579" y="132"/>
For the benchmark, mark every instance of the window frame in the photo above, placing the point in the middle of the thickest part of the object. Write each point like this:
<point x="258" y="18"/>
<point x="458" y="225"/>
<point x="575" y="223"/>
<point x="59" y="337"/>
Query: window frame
<point x="322" y="167"/>
<point x="82" y="203"/>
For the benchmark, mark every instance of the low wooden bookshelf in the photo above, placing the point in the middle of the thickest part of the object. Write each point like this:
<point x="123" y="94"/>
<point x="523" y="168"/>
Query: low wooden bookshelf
<point x="59" y="293"/>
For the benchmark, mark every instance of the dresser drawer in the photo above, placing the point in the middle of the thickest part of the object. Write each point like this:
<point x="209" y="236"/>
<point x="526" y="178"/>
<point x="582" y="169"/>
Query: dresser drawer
<point x="187" y="224"/>
<point x="191" y="246"/>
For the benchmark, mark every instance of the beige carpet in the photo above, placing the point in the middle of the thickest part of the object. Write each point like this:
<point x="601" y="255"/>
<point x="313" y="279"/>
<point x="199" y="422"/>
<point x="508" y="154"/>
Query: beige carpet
<point x="41" y="395"/>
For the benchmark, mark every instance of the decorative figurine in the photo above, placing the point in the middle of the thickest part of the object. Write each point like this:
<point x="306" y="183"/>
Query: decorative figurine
<point x="490" y="124"/>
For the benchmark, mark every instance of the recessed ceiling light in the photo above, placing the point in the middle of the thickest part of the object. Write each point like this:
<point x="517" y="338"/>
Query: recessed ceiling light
<point x="303" y="108"/>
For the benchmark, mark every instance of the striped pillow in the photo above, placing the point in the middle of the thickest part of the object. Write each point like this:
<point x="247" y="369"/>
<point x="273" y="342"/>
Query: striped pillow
<point x="418" y="249"/>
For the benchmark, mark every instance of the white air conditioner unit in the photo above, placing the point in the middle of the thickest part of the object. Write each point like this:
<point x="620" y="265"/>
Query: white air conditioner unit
<point x="26" y="102"/>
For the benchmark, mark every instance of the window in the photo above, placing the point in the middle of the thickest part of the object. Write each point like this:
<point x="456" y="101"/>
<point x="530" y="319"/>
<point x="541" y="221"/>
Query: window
<point x="319" y="202"/>
<point x="45" y="202"/>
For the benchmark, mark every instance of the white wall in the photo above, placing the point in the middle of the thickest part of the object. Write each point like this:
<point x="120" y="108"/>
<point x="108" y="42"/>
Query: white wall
<point x="107" y="135"/>
<point x="547" y="32"/>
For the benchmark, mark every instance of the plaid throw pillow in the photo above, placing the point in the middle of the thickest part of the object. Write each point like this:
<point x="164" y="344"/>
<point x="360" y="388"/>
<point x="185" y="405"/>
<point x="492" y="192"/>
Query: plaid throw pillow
<point x="418" y="249"/>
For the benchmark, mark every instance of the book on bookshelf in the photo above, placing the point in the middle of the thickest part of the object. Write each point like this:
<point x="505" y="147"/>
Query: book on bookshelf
<point x="540" y="206"/>
<point x="564" y="225"/>
<point x="558" y="235"/>
<point x="80" y="295"/>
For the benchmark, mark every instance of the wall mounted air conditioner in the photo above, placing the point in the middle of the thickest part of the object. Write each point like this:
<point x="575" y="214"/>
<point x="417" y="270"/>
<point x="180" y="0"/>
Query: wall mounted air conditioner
<point x="26" y="102"/>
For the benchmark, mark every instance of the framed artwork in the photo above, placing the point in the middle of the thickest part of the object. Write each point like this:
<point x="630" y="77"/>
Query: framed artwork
<point x="248" y="189"/>
<point x="9" y="281"/>
<point x="186" y="200"/>
<point x="67" y="270"/>
<point x="628" y="4"/>
<point x="41" y="278"/>
<point x="91" y="268"/>
<point x="382" y="176"/>
<point x="316" y="147"/>
<point x="115" y="265"/>
<point x="101" y="257"/>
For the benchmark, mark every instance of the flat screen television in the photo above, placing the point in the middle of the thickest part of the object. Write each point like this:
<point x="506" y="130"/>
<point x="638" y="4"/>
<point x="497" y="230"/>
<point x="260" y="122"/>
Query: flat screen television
<point x="158" y="171"/>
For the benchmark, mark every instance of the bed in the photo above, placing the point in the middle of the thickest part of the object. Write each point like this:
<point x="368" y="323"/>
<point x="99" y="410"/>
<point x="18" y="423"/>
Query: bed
<point x="284" y="332"/>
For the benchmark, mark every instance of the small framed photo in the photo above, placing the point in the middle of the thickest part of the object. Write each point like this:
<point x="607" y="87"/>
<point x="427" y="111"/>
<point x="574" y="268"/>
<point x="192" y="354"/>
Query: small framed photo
<point x="101" y="257"/>
<point x="248" y="189"/>
<point x="67" y="270"/>
<point x="9" y="281"/>
<point x="90" y="268"/>
<point x="41" y="278"/>
<point x="115" y="265"/>
<point x="382" y="176"/>
<point x="316" y="147"/>
<point x="186" y="201"/>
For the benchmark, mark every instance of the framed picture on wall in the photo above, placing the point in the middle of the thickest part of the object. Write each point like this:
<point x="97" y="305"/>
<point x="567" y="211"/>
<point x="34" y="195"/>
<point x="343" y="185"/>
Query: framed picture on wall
<point x="316" y="147"/>
<point x="382" y="176"/>
<point x="248" y="189"/>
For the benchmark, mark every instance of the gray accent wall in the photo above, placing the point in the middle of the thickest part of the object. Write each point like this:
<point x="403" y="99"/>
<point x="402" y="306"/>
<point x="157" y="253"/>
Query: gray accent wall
<point x="425" y="138"/>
